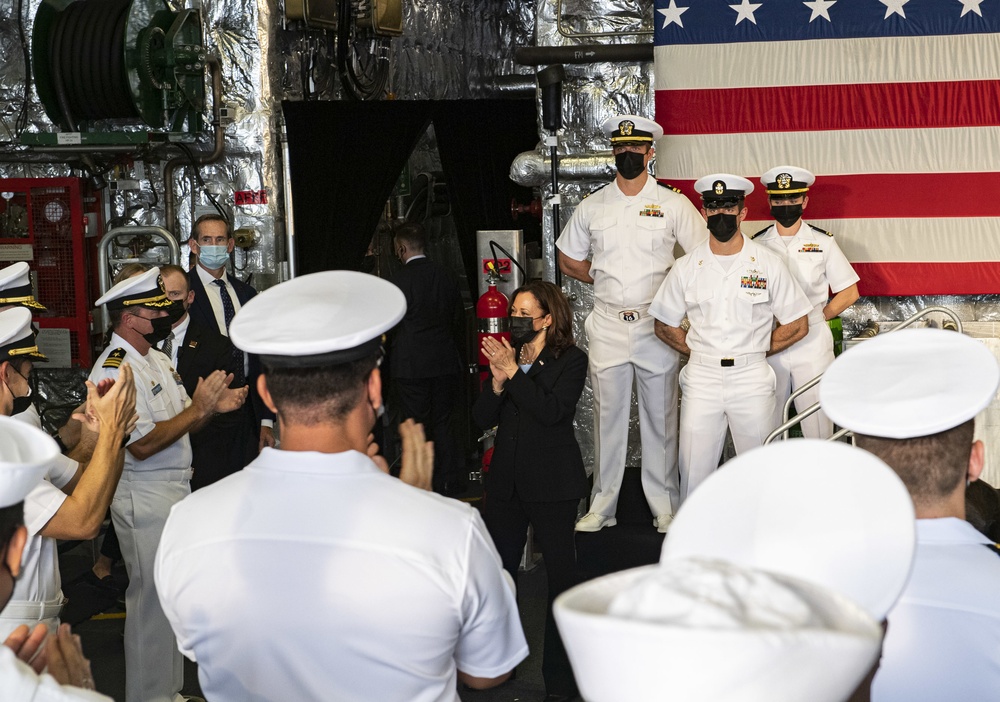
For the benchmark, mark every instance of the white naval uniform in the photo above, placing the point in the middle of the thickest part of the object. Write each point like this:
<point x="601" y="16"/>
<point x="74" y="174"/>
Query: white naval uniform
<point x="341" y="583"/>
<point x="37" y="595"/>
<point x="943" y="638"/>
<point x="819" y="266"/>
<point x="731" y="314"/>
<point x="19" y="683"/>
<point x="146" y="492"/>
<point x="633" y="240"/>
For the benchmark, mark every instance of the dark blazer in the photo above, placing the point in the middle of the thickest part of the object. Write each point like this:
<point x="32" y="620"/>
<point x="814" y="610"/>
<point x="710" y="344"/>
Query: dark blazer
<point x="226" y="443"/>
<point x="423" y="344"/>
<point x="536" y="449"/>
<point x="201" y="312"/>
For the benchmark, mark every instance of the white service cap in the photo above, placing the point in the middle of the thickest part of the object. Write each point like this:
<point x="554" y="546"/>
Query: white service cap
<point x="318" y="319"/>
<point x="723" y="187"/>
<point x="824" y="512"/>
<point x="695" y="629"/>
<point x="909" y="383"/>
<point x="787" y="180"/>
<point x="142" y="290"/>
<point x="15" y="287"/>
<point x="17" y="338"/>
<point x="631" y="129"/>
<point x="25" y="454"/>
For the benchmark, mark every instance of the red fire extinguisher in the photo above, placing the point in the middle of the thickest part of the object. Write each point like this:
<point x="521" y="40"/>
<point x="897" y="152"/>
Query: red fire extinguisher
<point x="491" y="311"/>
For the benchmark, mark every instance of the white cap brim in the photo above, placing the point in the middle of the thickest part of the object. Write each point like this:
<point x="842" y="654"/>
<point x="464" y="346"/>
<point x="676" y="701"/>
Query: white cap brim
<point x="25" y="455"/>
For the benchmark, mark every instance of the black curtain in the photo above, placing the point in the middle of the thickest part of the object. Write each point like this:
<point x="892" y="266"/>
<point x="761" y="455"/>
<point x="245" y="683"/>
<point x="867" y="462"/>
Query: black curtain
<point x="345" y="158"/>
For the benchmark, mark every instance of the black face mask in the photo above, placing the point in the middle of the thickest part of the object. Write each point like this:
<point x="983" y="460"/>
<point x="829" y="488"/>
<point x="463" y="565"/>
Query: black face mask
<point x="21" y="404"/>
<point x="522" y="330"/>
<point x="786" y="215"/>
<point x="162" y="325"/>
<point x="630" y="164"/>
<point x="723" y="226"/>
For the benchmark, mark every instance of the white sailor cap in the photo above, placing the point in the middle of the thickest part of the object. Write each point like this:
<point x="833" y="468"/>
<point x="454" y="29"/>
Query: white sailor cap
<point x="25" y="454"/>
<point x="631" y="129"/>
<point x="723" y="189"/>
<point x="15" y="287"/>
<point x="696" y="629"/>
<point x="17" y="338"/>
<point x="318" y="319"/>
<point x="787" y="180"/>
<point x="909" y="383"/>
<point x="824" y="512"/>
<point x="142" y="290"/>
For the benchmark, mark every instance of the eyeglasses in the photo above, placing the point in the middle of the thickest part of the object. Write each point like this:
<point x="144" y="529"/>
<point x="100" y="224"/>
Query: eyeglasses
<point x="634" y="148"/>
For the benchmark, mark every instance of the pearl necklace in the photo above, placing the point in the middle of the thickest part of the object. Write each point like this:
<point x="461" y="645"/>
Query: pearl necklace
<point x="524" y="357"/>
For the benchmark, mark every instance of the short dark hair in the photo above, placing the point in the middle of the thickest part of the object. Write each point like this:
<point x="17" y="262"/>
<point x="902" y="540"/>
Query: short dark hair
<point x="413" y="234"/>
<point x="552" y="301"/>
<point x="10" y="519"/>
<point x="321" y="394"/>
<point x="172" y="268"/>
<point x="930" y="466"/>
<point x="210" y="217"/>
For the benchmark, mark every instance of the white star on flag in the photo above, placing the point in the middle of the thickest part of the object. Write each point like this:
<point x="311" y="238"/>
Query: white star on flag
<point x="821" y="8"/>
<point x="745" y="10"/>
<point x="673" y="14"/>
<point x="894" y="7"/>
<point x="971" y="6"/>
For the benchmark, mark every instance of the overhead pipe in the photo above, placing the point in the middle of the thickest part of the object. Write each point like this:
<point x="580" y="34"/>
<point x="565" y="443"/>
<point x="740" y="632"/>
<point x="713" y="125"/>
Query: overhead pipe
<point x="169" y="196"/>
<point x="550" y="82"/>
<point x="586" y="53"/>
<point x="515" y="85"/>
<point x="532" y="169"/>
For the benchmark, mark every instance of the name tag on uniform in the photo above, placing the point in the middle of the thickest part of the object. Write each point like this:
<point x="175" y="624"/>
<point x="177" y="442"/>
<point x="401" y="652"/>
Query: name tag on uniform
<point x="651" y="211"/>
<point x="629" y="315"/>
<point x="157" y="389"/>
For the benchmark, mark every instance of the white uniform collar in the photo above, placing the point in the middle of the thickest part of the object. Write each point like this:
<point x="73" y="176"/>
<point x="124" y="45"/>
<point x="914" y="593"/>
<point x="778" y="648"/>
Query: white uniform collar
<point x="648" y="190"/>
<point x="948" y="530"/>
<point x="343" y="463"/>
<point x="135" y="356"/>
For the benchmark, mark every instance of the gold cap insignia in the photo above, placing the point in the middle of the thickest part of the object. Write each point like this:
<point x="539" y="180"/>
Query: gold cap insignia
<point x="625" y="127"/>
<point x="784" y="181"/>
<point x="719" y="187"/>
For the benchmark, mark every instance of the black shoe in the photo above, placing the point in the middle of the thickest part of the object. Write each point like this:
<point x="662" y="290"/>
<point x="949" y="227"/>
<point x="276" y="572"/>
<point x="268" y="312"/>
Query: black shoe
<point x="88" y="595"/>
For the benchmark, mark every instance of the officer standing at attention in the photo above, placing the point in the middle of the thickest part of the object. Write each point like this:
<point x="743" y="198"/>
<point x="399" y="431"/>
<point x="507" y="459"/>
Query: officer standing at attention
<point x="631" y="225"/>
<point x="819" y="266"/>
<point x="341" y="582"/>
<point x="731" y="290"/>
<point x="157" y="471"/>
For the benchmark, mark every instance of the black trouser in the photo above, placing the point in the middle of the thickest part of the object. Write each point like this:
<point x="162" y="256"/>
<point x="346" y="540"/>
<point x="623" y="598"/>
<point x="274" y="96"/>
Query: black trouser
<point x="553" y="522"/>
<point x="431" y="401"/>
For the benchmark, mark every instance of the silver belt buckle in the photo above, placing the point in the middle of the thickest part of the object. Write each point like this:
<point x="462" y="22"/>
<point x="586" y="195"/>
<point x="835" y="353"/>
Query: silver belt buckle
<point x="629" y="316"/>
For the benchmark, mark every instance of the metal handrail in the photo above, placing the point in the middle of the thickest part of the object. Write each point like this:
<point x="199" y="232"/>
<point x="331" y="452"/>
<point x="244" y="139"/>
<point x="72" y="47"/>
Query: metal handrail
<point x="783" y="429"/>
<point x="104" y="258"/>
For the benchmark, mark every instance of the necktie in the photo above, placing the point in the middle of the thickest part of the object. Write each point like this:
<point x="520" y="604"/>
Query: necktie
<point x="168" y="346"/>
<point x="228" y="312"/>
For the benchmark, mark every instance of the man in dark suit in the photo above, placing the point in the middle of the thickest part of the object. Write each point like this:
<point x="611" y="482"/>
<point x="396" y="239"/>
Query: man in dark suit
<point x="424" y="363"/>
<point x="225" y="445"/>
<point x="217" y="298"/>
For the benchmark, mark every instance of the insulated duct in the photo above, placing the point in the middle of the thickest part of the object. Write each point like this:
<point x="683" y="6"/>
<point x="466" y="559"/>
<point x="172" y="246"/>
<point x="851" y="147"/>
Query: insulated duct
<point x="583" y="54"/>
<point x="532" y="169"/>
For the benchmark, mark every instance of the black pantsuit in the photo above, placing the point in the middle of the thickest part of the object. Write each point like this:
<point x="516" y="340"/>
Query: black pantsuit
<point x="537" y="477"/>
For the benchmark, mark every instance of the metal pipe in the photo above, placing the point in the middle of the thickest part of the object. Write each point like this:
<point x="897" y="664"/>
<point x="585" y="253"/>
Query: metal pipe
<point x="587" y="53"/>
<point x="104" y="257"/>
<point x="532" y="169"/>
<point x="169" y="197"/>
<point x="516" y="85"/>
<point x="286" y="177"/>
<point x="593" y="35"/>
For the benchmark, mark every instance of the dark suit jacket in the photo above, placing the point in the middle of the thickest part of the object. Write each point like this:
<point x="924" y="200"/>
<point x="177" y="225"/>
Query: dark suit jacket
<point x="226" y="443"/>
<point x="201" y="312"/>
<point x="536" y="449"/>
<point x="423" y="344"/>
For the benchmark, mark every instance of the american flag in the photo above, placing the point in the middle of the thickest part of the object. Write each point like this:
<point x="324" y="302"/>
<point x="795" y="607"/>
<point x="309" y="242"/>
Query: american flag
<point x="893" y="104"/>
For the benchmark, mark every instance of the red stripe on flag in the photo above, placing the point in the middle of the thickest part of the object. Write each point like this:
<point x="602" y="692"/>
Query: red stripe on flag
<point x="903" y="279"/>
<point x="883" y="196"/>
<point x="828" y="107"/>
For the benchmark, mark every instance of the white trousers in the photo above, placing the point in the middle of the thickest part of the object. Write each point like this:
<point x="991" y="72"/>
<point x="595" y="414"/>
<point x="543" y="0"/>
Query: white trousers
<point x="797" y="365"/>
<point x="618" y="352"/>
<point x="154" y="668"/>
<point x="713" y="397"/>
